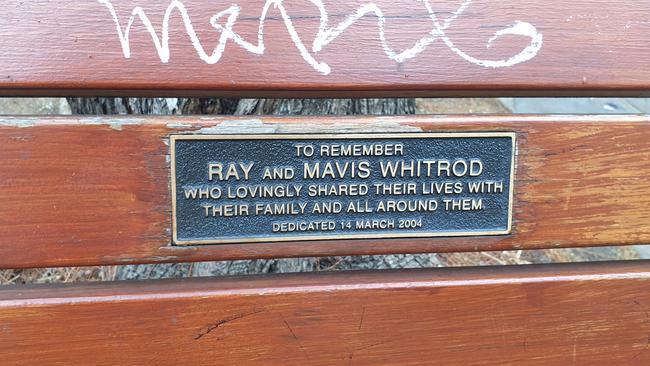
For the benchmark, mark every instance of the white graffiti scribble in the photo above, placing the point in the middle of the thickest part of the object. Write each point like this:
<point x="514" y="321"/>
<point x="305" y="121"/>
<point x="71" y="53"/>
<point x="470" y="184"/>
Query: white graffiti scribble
<point x="224" y="22"/>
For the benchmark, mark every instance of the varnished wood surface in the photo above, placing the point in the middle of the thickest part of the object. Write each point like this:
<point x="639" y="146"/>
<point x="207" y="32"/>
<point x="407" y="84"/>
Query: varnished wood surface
<point x="86" y="191"/>
<point x="584" y="314"/>
<point x="584" y="47"/>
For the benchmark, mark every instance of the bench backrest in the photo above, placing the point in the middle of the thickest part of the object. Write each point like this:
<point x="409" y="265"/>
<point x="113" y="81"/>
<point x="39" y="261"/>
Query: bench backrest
<point x="92" y="191"/>
<point x="573" y="185"/>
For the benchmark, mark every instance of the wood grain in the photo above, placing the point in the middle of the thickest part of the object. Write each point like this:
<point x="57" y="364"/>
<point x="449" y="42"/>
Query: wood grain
<point x="589" y="47"/>
<point x="584" y="314"/>
<point x="86" y="191"/>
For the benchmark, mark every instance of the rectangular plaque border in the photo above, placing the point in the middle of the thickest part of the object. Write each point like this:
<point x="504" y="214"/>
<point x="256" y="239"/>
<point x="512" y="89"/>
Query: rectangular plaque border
<point x="340" y="136"/>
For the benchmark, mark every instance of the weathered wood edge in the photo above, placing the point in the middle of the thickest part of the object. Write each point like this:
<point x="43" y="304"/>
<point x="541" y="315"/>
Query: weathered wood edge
<point x="556" y="91"/>
<point x="284" y="283"/>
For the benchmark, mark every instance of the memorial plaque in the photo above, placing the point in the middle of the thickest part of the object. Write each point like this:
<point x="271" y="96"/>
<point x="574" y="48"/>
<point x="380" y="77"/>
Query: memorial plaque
<point x="272" y="188"/>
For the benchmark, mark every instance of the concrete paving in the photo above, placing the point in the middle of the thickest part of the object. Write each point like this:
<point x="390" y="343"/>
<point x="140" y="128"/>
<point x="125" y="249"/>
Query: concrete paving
<point x="24" y="106"/>
<point x="577" y="105"/>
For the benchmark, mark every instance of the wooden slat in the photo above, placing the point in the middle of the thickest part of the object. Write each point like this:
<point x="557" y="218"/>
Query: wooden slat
<point x="85" y="191"/>
<point x="535" y="315"/>
<point x="585" y="47"/>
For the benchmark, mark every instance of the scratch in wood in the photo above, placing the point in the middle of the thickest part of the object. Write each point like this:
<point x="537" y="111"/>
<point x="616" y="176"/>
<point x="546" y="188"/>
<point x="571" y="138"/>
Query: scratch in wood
<point x="371" y="346"/>
<point x="290" y="330"/>
<point x="293" y="334"/>
<point x="221" y="322"/>
<point x="363" y="314"/>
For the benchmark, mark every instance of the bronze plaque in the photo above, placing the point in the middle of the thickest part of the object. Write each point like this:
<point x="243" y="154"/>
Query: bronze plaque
<point x="274" y="188"/>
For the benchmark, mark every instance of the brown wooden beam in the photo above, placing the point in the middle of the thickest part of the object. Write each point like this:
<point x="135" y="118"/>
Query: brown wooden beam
<point x="87" y="191"/>
<point x="586" y="47"/>
<point x="586" y="314"/>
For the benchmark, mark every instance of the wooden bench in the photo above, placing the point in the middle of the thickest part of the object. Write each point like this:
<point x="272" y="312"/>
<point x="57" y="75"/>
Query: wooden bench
<point x="80" y="191"/>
